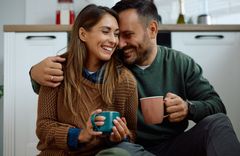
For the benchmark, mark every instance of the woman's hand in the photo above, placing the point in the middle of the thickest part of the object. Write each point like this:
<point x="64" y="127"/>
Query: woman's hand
<point x="88" y="133"/>
<point x="120" y="130"/>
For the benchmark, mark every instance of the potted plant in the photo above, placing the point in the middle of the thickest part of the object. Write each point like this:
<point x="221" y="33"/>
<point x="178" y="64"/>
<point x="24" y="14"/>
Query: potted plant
<point x="1" y="91"/>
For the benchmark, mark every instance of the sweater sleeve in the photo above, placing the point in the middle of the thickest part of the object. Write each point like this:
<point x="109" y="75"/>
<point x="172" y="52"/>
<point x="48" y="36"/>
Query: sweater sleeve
<point x="205" y="100"/>
<point x="131" y="114"/>
<point x="51" y="133"/>
<point x="73" y="134"/>
<point x="35" y="85"/>
<point x="131" y="108"/>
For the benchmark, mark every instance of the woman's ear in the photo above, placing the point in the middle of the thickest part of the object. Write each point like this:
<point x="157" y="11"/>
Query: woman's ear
<point x="82" y="34"/>
<point x="153" y="29"/>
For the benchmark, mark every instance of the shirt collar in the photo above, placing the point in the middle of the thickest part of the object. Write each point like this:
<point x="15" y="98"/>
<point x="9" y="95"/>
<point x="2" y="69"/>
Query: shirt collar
<point x="96" y="77"/>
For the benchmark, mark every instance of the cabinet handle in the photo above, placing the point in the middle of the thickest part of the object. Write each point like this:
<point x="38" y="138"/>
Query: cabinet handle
<point x="50" y="37"/>
<point x="209" y="37"/>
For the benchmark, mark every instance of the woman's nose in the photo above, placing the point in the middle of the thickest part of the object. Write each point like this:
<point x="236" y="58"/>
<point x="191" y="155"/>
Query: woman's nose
<point x="113" y="39"/>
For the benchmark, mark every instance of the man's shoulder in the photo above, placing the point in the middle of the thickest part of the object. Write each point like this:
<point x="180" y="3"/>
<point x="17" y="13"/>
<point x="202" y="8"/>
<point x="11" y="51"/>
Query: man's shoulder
<point x="172" y="54"/>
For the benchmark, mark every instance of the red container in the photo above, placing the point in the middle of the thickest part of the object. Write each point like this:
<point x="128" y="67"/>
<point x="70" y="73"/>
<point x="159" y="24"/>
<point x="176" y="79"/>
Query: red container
<point x="65" y="13"/>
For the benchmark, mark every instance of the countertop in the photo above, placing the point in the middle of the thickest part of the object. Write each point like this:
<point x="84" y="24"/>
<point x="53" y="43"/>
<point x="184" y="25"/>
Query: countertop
<point x="162" y="27"/>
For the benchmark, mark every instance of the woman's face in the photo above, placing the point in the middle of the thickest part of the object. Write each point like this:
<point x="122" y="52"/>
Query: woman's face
<point x="101" y="40"/>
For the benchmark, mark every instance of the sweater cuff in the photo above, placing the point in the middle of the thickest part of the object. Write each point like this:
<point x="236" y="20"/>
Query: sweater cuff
<point x="61" y="135"/>
<point x="35" y="85"/>
<point x="73" y="134"/>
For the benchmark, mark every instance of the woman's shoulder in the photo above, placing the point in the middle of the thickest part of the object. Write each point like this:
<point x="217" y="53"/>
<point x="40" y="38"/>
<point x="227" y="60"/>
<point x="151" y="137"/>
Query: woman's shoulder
<point x="126" y="76"/>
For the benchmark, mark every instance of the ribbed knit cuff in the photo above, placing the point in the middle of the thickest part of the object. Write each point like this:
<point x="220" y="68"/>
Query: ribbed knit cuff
<point x="61" y="137"/>
<point x="35" y="85"/>
<point x="73" y="134"/>
<point x="125" y="139"/>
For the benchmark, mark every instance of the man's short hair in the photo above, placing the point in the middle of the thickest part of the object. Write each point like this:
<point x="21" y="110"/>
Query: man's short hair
<point x="146" y="10"/>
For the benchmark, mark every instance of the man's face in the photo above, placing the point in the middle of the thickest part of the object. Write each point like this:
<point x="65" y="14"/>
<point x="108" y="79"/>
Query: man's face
<point x="134" y="38"/>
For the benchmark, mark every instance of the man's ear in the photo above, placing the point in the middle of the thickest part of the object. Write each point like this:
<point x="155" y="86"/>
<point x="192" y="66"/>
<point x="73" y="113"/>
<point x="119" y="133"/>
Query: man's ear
<point x="153" y="29"/>
<point x="82" y="34"/>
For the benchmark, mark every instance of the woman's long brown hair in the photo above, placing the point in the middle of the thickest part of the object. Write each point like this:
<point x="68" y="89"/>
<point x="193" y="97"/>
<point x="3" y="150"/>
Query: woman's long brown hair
<point x="76" y="57"/>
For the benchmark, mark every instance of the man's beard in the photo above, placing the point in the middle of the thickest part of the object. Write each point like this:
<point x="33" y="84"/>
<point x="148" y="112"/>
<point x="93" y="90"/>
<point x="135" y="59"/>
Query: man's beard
<point x="138" y="55"/>
<point x="142" y="56"/>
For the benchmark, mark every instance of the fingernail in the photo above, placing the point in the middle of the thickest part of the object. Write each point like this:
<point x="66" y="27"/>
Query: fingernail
<point x="113" y="128"/>
<point x="118" y="118"/>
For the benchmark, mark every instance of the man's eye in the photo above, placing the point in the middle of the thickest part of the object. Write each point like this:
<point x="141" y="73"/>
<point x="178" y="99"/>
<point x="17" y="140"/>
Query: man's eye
<point x="128" y="35"/>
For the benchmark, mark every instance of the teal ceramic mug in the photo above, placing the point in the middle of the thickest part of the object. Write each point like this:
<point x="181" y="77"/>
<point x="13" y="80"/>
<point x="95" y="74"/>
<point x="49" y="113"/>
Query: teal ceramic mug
<point x="108" y="122"/>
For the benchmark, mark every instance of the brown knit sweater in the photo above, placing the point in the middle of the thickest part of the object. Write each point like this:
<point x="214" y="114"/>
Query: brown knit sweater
<point x="54" y="119"/>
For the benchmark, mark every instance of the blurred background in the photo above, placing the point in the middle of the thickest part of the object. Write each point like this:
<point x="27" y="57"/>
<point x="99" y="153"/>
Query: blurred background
<point x="44" y="12"/>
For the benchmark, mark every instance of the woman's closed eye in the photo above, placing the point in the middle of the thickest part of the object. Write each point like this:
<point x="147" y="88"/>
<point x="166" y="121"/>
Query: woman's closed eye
<point x="108" y="30"/>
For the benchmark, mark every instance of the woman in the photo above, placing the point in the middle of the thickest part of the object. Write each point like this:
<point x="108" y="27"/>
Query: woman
<point x="94" y="81"/>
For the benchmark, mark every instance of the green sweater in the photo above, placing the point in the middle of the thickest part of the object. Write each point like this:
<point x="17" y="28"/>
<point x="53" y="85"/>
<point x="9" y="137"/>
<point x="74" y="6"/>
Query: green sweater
<point x="175" y="72"/>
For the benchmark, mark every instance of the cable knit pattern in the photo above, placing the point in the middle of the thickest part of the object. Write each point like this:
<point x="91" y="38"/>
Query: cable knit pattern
<point x="54" y="119"/>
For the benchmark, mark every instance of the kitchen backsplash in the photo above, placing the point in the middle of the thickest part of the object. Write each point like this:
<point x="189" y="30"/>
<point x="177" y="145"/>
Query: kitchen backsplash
<point x="222" y="12"/>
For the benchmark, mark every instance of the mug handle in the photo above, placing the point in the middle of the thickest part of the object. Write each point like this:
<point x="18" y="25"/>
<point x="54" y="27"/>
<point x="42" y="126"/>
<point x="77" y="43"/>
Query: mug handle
<point x="95" y="127"/>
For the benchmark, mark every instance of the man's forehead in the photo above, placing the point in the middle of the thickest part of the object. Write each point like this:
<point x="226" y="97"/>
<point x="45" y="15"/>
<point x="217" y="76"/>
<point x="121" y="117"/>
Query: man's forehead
<point x="129" y="21"/>
<point x="128" y="17"/>
<point x="128" y="14"/>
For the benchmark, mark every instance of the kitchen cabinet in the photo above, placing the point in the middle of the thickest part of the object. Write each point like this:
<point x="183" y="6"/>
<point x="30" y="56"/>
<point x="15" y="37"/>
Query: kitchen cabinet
<point x="21" y="51"/>
<point x="218" y="54"/>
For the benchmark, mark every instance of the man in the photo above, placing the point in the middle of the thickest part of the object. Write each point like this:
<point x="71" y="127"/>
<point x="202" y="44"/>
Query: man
<point x="163" y="71"/>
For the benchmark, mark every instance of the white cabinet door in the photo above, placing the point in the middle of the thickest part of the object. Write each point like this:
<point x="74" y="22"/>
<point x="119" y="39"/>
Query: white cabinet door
<point x="20" y="100"/>
<point x="218" y="53"/>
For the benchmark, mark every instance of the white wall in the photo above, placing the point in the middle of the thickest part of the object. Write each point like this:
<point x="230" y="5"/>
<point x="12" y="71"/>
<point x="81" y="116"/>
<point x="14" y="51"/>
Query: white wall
<point x="9" y="14"/>
<point x="43" y="15"/>
<point x="221" y="11"/>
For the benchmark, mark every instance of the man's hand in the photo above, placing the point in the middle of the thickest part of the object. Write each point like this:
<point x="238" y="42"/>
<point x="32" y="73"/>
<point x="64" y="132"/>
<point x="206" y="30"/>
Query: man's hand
<point x="48" y="72"/>
<point x="176" y="107"/>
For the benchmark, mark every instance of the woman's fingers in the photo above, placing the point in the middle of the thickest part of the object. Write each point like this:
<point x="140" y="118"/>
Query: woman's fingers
<point x="99" y="120"/>
<point x="123" y="127"/>
<point x="120" y="130"/>
<point x="115" y="135"/>
<point x="96" y="111"/>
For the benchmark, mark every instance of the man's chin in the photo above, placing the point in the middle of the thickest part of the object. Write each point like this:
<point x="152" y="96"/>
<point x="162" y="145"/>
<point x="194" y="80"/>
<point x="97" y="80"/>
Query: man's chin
<point x="129" y="61"/>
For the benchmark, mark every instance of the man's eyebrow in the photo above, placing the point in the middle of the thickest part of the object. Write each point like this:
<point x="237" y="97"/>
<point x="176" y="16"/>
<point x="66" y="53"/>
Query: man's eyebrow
<point x="127" y="32"/>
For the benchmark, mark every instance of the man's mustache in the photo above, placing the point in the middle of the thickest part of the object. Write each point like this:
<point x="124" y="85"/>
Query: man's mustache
<point x="126" y="48"/>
